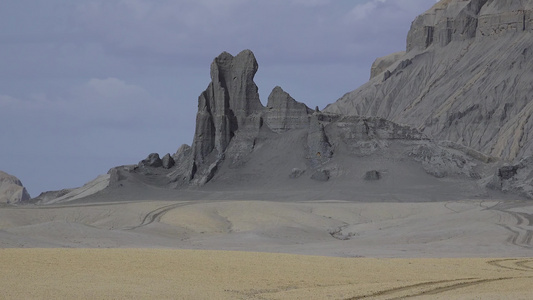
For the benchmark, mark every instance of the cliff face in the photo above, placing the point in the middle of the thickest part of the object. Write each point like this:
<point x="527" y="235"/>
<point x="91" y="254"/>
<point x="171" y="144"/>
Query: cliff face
<point x="228" y="104"/>
<point x="466" y="77"/>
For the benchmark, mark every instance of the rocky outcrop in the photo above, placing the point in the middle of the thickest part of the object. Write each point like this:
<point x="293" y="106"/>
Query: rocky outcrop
<point x="465" y="78"/>
<point x="442" y="162"/>
<point x="515" y="178"/>
<point x="236" y="138"/>
<point x="460" y="20"/>
<point x="11" y="189"/>
<point x="501" y="17"/>
<point x="230" y="103"/>
<point x="284" y="113"/>
<point x="167" y="161"/>
<point x="446" y="21"/>
<point x="319" y="148"/>
<point x="381" y="64"/>
<point x="152" y="161"/>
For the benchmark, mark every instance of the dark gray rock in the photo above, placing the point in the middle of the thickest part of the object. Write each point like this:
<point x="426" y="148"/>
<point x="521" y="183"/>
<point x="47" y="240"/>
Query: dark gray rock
<point x="227" y="105"/>
<point x="319" y="148"/>
<point x="372" y="175"/>
<point x="515" y="178"/>
<point x="167" y="161"/>
<point x="508" y="172"/>
<point x="152" y="160"/>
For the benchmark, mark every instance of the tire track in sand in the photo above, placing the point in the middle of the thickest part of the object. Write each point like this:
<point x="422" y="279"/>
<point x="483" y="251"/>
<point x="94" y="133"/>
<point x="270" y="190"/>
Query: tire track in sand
<point x="156" y="214"/>
<point x="442" y="286"/>
<point x="516" y="264"/>
<point x="429" y="288"/>
<point x="405" y="288"/>
<point x="452" y="287"/>
<point x="521" y="234"/>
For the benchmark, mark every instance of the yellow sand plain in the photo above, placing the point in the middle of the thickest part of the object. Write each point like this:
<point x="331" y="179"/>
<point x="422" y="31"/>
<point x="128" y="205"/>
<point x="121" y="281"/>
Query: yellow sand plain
<point x="200" y="274"/>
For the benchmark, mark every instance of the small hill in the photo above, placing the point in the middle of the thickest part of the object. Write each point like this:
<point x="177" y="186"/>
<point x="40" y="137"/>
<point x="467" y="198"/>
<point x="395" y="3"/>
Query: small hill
<point x="11" y="189"/>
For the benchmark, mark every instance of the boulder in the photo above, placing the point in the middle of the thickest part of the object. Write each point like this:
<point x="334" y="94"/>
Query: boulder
<point x="167" y="161"/>
<point x="152" y="161"/>
<point x="372" y="175"/>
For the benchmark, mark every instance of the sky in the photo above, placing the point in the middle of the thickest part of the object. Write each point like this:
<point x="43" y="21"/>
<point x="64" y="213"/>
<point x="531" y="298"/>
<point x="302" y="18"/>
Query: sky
<point x="87" y="85"/>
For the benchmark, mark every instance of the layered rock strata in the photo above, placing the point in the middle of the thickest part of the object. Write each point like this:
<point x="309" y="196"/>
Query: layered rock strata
<point x="468" y="80"/>
<point x="284" y="113"/>
<point x="228" y="104"/>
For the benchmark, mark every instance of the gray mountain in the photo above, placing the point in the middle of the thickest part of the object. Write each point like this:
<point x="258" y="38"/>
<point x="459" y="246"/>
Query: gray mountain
<point x="243" y="149"/>
<point x="438" y="121"/>
<point x="465" y="77"/>
<point x="11" y="189"/>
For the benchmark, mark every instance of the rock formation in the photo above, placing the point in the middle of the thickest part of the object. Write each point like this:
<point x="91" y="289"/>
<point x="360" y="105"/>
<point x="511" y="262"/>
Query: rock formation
<point x="11" y="189"/>
<point x="167" y="161"/>
<point x="381" y="64"/>
<point x="516" y="178"/>
<point x="468" y="80"/>
<point x="152" y="160"/>
<point x="451" y="106"/>
<point x="230" y="102"/>
<point x="284" y="113"/>
<point x="239" y="143"/>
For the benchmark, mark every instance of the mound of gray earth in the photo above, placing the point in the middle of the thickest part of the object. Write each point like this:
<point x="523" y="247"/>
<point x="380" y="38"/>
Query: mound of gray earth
<point x="11" y="189"/>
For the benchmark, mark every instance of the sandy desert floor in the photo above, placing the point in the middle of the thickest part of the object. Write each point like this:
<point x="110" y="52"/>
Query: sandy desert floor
<point x="199" y="274"/>
<point x="468" y="249"/>
<point x="467" y="228"/>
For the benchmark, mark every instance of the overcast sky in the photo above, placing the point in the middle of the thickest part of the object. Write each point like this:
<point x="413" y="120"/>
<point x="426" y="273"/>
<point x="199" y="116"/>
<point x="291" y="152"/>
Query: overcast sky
<point x="91" y="84"/>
